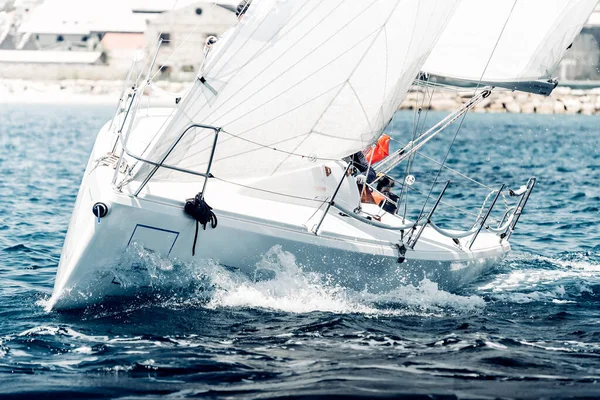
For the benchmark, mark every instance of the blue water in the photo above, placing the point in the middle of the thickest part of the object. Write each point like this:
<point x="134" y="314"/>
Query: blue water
<point x="530" y="329"/>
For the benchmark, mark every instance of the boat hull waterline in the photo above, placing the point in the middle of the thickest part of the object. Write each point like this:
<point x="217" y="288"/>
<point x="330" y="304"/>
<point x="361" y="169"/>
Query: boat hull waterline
<point x="87" y="272"/>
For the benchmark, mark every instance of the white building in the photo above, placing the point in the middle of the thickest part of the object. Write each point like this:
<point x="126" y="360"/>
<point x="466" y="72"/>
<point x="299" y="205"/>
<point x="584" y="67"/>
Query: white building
<point x="184" y="32"/>
<point x="582" y="61"/>
<point x="76" y="24"/>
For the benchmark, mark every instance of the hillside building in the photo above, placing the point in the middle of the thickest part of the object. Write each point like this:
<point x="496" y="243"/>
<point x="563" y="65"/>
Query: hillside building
<point x="184" y="32"/>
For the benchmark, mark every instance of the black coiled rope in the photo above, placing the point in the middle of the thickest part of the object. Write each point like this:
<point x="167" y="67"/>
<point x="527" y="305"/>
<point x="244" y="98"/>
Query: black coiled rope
<point x="198" y="209"/>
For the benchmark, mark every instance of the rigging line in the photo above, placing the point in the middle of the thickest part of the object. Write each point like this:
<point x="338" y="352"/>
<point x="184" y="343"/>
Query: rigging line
<point x="407" y="168"/>
<point x="412" y="157"/>
<point x="317" y="210"/>
<point x="448" y="168"/>
<point x="409" y="163"/>
<point x="278" y="150"/>
<point x="314" y="49"/>
<point x="258" y="126"/>
<point x="427" y="110"/>
<point x="495" y="46"/>
<point x="465" y="115"/>
<point x="441" y="202"/>
<point x="445" y="203"/>
<point x="440" y="170"/>
<point x="266" y="191"/>
<point x="456" y="172"/>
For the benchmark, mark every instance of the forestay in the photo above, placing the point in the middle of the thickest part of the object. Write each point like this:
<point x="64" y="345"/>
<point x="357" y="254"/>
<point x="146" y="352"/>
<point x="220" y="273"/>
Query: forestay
<point x="509" y="43"/>
<point x="319" y="78"/>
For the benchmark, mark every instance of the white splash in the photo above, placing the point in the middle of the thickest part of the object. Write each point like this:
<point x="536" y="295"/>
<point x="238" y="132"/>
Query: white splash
<point x="297" y="291"/>
<point x="557" y="279"/>
<point x="428" y="297"/>
<point x="290" y="290"/>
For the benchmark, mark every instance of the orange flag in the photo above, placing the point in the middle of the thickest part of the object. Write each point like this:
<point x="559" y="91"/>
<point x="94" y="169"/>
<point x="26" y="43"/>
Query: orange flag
<point x="380" y="151"/>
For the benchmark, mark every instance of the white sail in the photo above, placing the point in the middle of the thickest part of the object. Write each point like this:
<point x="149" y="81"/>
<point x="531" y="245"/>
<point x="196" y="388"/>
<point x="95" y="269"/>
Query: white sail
<point x="319" y="78"/>
<point x="507" y="42"/>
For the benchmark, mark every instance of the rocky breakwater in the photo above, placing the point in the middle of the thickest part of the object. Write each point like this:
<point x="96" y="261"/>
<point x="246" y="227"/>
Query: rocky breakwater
<point x="563" y="100"/>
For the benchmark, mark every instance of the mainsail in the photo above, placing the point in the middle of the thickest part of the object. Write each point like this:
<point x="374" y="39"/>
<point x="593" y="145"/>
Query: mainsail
<point x="313" y="78"/>
<point x="515" y="44"/>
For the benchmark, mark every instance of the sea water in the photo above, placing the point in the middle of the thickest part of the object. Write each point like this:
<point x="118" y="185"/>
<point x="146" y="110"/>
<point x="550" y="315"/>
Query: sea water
<point x="528" y="329"/>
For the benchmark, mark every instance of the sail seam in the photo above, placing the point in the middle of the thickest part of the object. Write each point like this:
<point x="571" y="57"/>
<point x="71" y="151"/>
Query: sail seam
<point x="381" y="29"/>
<point x="387" y="56"/>
<point x="293" y="86"/>
<point x="229" y="42"/>
<point x="262" y="146"/>
<point x="315" y="48"/>
<point x="260" y="51"/>
<point x="258" y="126"/>
<point x="265" y="46"/>
<point x="346" y="82"/>
<point x="362" y="107"/>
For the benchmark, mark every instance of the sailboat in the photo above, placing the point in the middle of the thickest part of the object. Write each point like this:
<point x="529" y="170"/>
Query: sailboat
<point x="260" y="142"/>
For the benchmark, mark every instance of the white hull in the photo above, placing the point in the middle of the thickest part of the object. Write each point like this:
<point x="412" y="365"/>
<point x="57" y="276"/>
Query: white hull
<point x="348" y="251"/>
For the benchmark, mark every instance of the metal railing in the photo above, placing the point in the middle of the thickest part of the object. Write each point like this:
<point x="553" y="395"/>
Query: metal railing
<point x="519" y="210"/>
<point x="413" y="242"/>
<point x="504" y="230"/>
<point x="161" y="163"/>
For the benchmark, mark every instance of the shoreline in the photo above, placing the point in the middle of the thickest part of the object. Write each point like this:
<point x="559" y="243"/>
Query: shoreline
<point x="563" y="100"/>
<point x="77" y="91"/>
